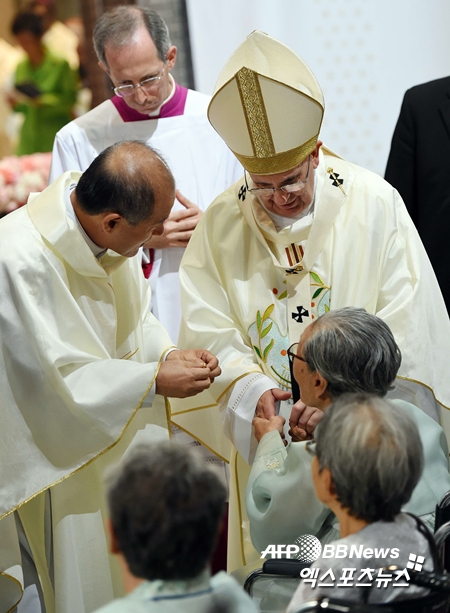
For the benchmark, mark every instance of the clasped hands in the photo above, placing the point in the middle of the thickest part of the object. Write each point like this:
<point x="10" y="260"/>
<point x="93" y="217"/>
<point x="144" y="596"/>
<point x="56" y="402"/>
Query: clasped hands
<point x="302" y="421"/>
<point x="187" y="373"/>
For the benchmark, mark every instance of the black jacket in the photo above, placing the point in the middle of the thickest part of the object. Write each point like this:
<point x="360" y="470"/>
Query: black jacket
<point x="419" y="168"/>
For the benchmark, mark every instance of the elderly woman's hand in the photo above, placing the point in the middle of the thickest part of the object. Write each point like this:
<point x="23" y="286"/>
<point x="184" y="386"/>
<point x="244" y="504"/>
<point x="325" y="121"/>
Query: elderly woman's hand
<point x="303" y="421"/>
<point x="261" y="426"/>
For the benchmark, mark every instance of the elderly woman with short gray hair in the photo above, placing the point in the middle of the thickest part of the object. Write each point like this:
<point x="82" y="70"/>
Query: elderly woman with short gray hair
<point x="368" y="460"/>
<point x="344" y="351"/>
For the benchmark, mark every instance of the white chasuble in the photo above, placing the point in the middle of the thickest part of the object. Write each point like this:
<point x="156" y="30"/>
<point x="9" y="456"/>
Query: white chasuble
<point x="245" y="297"/>
<point x="201" y="163"/>
<point x="79" y="357"/>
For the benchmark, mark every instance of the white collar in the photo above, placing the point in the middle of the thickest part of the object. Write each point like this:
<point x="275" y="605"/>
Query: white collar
<point x="96" y="250"/>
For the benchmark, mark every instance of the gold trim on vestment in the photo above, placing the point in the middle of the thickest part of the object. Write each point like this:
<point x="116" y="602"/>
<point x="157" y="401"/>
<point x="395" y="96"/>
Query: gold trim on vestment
<point x="278" y="162"/>
<point x="241" y="531"/>
<point x="424" y="385"/>
<point x="168" y="415"/>
<point x="20" y="586"/>
<point x="128" y="355"/>
<point x="206" y="406"/>
<point x="255" y="113"/>
<point x="101" y="452"/>
<point x="236" y="380"/>
<point x="201" y="442"/>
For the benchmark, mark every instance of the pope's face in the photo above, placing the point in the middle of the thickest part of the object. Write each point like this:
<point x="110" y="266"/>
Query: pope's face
<point x="293" y="203"/>
<point x="135" y="62"/>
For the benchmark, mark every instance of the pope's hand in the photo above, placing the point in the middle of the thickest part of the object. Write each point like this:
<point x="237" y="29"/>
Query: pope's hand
<point x="187" y="373"/>
<point x="178" y="227"/>
<point x="303" y="421"/>
<point x="266" y="406"/>
<point x="261" y="426"/>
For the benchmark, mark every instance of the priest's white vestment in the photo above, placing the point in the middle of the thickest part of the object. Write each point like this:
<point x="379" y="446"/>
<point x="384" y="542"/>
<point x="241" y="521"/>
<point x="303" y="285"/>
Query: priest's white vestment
<point x="248" y="292"/>
<point x="201" y="163"/>
<point x="80" y="353"/>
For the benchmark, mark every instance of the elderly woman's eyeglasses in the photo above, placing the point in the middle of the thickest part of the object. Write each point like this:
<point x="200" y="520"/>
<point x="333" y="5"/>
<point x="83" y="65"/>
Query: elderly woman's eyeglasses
<point x="147" y="86"/>
<point x="292" y="354"/>
<point x="298" y="186"/>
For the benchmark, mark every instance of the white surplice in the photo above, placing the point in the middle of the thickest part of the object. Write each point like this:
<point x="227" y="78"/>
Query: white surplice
<point x="201" y="163"/>
<point x="80" y="352"/>
<point x="248" y="291"/>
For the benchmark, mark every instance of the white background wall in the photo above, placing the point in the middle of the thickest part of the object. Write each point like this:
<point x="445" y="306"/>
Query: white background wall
<point x="364" y="53"/>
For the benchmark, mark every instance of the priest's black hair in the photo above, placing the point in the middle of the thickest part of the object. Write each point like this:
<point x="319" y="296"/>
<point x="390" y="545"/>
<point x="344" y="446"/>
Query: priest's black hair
<point x="122" y="180"/>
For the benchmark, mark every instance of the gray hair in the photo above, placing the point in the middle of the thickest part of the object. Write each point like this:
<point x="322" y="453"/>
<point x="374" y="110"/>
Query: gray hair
<point x="166" y="505"/>
<point x="374" y="453"/>
<point x="116" y="28"/>
<point x="354" y="351"/>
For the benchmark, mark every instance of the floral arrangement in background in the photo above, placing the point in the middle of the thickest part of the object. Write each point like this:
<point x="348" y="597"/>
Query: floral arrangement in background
<point x="19" y="176"/>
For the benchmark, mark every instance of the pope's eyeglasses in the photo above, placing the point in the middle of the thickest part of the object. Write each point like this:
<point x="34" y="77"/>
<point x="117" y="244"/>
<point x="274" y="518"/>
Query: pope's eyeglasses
<point x="287" y="189"/>
<point x="147" y="86"/>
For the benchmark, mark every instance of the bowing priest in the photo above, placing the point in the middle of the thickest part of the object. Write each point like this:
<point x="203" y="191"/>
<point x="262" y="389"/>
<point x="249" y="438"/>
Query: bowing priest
<point x="84" y="371"/>
<point x="302" y="232"/>
<point x="134" y="49"/>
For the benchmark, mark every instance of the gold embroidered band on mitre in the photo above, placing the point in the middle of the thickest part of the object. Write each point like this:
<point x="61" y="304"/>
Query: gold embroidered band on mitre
<point x="255" y="113"/>
<point x="278" y="162"/>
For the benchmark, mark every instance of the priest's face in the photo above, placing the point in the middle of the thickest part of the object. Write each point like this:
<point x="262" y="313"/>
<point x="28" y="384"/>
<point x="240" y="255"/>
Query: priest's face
<point x="130" y="238"/>
<point x="289" y="204"/>
<point x="127" y="239"/>
<point x="135" y="63"/>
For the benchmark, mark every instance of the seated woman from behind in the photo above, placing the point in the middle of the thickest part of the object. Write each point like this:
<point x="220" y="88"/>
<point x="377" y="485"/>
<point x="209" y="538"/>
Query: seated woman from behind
<point x="368" y="460"/>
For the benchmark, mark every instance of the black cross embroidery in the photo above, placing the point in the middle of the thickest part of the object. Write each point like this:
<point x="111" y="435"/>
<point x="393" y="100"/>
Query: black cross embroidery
<point x="334" y="178"/>
<point x="294" y="271"/>
<point x="301" y="312"/>
<point x="242" y="192"/>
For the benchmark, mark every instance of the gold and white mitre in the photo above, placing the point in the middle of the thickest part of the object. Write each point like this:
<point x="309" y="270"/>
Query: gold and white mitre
<point x="267" y="106"/>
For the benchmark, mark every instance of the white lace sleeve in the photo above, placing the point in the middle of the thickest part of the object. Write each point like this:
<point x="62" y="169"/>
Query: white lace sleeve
<point x="238" y="409"/>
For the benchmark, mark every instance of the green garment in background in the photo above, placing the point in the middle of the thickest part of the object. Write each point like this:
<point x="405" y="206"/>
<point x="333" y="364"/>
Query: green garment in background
<point x="48" y="113"/>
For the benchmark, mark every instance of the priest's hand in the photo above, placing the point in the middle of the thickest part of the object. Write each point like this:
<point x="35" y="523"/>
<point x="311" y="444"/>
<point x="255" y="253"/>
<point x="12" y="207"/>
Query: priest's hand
<point x="186" y="373"/>
<point x="201" y="357"/>
<point x="303" y="421"/>
<point x="266" y="406"/>
<point x="178" y="227"/>
<point x="261" y="426"/>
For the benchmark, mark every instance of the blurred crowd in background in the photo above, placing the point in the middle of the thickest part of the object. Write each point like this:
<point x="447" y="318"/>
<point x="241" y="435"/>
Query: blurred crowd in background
<point x="43" y="86"/>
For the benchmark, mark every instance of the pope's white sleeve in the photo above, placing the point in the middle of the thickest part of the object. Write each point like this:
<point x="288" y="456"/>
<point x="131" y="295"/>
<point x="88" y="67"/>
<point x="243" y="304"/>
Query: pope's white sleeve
<point x="238" y="409"/>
